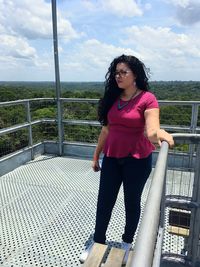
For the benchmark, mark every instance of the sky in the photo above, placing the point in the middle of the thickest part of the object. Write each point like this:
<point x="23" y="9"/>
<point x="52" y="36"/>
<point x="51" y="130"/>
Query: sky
<point x="164" y="34"/>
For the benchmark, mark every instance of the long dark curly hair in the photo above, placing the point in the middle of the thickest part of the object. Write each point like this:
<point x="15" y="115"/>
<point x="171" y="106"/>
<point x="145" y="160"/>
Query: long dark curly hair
<point x="112" y="91"/>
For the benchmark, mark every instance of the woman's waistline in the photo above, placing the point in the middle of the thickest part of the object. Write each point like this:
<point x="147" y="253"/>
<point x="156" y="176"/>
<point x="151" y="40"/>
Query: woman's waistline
<point x="131" y="130"/>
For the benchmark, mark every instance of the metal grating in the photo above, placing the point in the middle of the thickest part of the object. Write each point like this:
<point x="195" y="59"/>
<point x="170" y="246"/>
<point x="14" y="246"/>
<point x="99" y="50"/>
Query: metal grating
<point x="171" y="243"/>
<point x="48" y="212"/>
<point x="178" y="183"/>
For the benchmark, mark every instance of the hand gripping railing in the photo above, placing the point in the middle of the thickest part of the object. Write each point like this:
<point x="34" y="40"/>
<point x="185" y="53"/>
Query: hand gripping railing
<point x="148" y="232"/>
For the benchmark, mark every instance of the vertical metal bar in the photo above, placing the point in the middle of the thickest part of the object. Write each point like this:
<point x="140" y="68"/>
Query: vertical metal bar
<point x="30" y="136"/>
<point x="194" y="118"/>
<point x="57" y="77"/>
<point x="193" y="127"/>
<point x="158" y="249"/>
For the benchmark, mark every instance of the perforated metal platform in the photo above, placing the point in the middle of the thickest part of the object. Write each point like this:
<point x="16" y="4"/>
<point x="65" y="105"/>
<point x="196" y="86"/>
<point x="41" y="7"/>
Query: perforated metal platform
<point x="48" y="212"/>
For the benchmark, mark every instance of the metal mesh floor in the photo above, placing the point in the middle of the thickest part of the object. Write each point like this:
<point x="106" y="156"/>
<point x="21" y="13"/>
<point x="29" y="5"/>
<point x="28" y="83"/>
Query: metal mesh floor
<point x="47" y="210"/>
<point x="178" y="183"/>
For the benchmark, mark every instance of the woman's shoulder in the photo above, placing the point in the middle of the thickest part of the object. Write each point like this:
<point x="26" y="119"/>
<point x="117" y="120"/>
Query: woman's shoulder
<point x="148" y="99"/>
<point x="148" y="94"/>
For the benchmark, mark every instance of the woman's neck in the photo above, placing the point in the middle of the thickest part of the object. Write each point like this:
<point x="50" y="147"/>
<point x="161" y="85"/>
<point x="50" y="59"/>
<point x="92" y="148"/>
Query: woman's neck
<point x="128" y="94"/>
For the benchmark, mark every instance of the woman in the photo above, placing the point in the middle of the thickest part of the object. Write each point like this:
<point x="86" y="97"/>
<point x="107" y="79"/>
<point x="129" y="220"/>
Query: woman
<point x="130" y="118"/>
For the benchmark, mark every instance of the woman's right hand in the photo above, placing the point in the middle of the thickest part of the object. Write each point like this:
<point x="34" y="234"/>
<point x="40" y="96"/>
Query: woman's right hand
<point x="96" y="166"/>
<point x="100" y="144"/>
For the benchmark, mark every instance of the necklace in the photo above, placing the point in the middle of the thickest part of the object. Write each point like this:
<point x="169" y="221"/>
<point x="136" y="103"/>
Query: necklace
<point x="119" y="106"/>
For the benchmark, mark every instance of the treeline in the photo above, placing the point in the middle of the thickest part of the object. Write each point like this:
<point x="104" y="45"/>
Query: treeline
<point x="174" y="90"/>
<point x="12" y="115"/>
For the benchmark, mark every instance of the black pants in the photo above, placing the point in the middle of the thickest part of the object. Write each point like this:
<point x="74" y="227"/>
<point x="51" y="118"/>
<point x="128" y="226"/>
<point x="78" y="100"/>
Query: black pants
<point x="133" y="173"/>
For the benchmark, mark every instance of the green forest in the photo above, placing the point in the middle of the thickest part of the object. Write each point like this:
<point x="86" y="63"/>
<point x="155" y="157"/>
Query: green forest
<point x="14" y="115"/>
<point x="172" y="90"/>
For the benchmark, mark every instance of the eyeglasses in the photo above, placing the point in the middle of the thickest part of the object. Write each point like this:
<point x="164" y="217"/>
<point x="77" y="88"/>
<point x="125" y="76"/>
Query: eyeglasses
<point x="121" y="73"/>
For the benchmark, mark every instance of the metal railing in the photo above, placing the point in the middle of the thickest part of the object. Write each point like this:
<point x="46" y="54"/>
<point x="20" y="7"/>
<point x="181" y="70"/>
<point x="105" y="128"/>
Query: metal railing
<point x="147" y="236"/>
<point x="33" y="117"/>
<point x="189" y="124"/>
<point x="173" y="191"/>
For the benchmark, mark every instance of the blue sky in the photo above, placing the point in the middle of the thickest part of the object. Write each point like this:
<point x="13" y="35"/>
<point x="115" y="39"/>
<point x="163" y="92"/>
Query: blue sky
<point x="164" y="34"/>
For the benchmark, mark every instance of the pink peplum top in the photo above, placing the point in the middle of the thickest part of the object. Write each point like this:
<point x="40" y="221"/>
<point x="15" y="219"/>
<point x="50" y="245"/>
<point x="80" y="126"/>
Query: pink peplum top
<point x="126" y="128"/>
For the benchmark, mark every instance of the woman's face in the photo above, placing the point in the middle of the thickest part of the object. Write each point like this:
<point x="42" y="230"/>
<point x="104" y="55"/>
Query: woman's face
<point x="124" y="76"/>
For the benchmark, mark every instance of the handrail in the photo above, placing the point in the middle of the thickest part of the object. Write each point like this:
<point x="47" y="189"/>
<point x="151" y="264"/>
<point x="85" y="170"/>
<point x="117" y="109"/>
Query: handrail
<point x="23" y="101"/>
<point x="178" y="102"/>
<point x="92" y="100"/>
<point x="147" y="249"/>
<point x="25" y="125"/>
<point x="191" y="138"/>
<point x="147" y="235"/>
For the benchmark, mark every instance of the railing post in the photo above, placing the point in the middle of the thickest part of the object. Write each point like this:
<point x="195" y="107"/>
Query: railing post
<point x="194" y="119"/>
<point x="193" y="127"/>
<point x="30" y="135"/>
<point x="57" y="77"/>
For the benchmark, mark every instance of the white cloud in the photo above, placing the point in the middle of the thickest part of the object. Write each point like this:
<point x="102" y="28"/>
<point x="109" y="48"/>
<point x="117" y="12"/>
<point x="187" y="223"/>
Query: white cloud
<point x="187" y="11"/>
<point x="148" y="6"/>
<point x="26" y="38"/>
<point x="182" y="3"/>
<point x="90" y="60"/>
<point x="163" y="48"/>
<point x="33" y="20"/>
<point x="16" y="47"/>
<point x="166" y="53"/>
<point x="89" y="5"/>
<point x="125" y="8"/>
<point x="16" y="53"/>
<point x="22" y="27"/>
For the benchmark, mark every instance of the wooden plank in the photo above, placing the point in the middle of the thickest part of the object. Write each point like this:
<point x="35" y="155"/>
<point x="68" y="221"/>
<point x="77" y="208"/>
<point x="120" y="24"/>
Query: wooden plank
<point x="178" y="231"/>
<point x="115" y="258"/>
<point x="128" y="264"/>
<point x="96" y="255"/>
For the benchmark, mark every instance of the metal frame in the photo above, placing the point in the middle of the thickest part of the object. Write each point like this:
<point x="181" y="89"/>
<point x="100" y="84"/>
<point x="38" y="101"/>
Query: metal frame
<point x="147" y="250"/>
<point x="57" y="77"/>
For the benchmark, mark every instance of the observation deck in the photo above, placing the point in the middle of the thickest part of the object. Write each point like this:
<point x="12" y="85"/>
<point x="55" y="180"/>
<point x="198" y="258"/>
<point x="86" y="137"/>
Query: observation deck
<point x="48" y="191"/>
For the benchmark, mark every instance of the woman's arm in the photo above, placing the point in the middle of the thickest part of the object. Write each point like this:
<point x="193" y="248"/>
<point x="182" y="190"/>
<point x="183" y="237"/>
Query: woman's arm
<point x="153" y="131"/>
<point x="101" y="141"/>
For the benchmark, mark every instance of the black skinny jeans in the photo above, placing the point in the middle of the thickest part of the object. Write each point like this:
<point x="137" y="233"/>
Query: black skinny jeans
<point x="133" y="173"/>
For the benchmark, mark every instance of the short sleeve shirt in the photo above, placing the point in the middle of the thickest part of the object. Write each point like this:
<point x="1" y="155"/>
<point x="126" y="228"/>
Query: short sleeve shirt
<point x="126" y="128"/>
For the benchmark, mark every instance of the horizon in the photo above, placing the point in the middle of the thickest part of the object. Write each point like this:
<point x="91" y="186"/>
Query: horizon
<point x="181" y="81"/>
